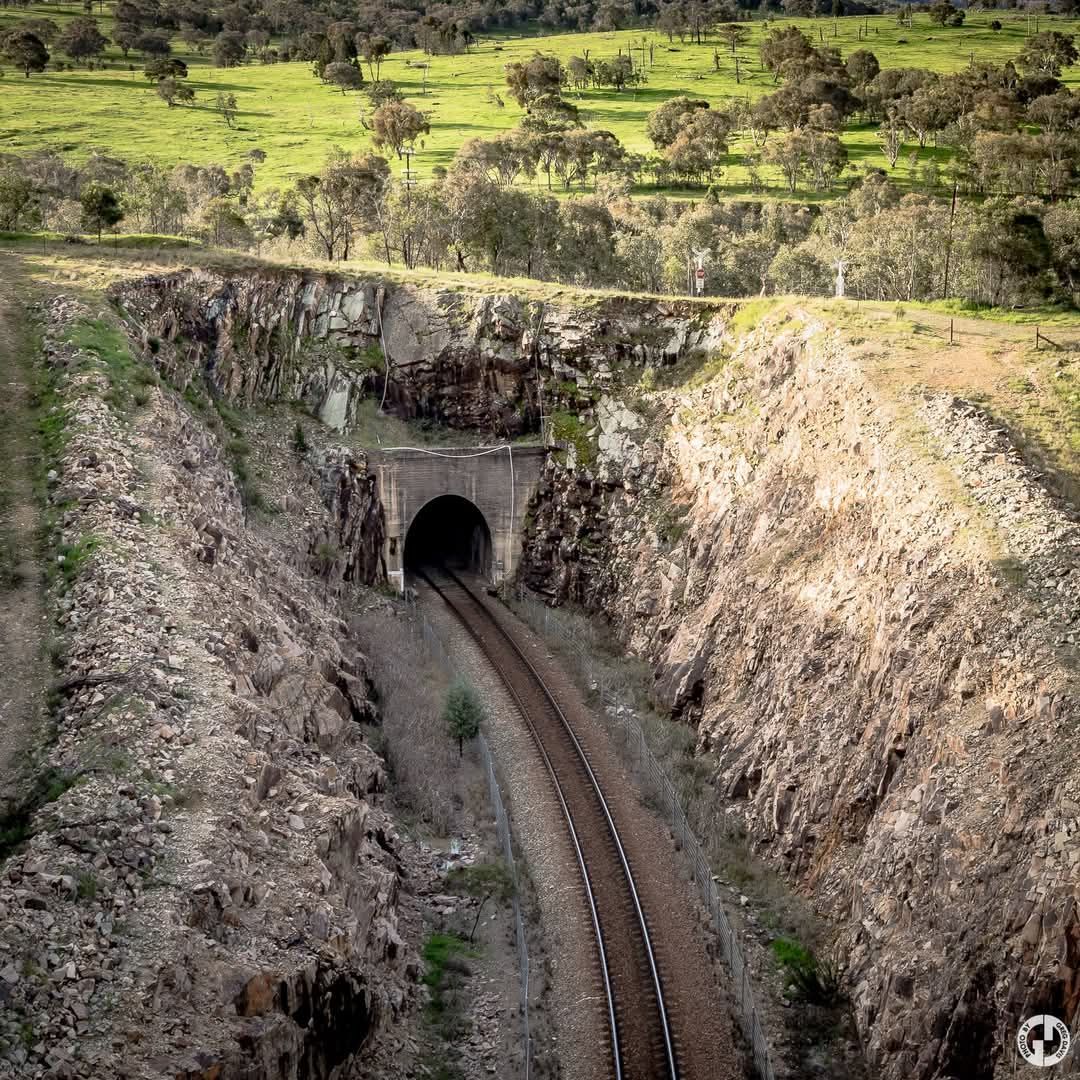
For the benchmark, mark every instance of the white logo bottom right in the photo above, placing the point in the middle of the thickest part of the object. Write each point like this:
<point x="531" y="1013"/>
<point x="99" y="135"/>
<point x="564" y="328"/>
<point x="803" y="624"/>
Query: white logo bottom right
<point x="1043" y="1040"/>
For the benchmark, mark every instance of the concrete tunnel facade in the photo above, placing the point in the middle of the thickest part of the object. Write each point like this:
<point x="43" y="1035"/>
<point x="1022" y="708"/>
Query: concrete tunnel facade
<point x="468" y="503"/>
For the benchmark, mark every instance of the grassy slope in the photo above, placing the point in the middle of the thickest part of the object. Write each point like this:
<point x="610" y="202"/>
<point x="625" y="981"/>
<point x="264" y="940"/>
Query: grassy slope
<point x="286" y="112"/>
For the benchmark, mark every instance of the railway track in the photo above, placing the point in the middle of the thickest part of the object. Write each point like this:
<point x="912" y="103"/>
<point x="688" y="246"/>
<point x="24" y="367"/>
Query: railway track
<point x="643" y="1046"/>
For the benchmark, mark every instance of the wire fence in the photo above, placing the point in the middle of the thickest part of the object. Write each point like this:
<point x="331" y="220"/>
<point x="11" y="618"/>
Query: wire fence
<point x="438" y="652"/>
<point x="624" y="720"/>
<point x="502" y="823"/>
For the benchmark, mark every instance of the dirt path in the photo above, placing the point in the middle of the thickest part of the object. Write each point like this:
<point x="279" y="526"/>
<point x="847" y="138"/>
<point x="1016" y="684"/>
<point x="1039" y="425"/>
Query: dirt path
<point x="22" y="626"/>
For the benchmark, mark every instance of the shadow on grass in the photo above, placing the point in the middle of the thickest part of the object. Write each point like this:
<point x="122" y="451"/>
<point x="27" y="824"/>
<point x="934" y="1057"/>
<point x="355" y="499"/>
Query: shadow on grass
<point x="140" y="82"/>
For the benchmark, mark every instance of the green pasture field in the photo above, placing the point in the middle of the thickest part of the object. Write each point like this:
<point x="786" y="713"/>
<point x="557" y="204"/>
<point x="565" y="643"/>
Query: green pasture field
<point x="286" y="112"/>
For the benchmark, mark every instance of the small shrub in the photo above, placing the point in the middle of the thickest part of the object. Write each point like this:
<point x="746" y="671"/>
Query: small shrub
<point x="371" y="358"/>
<point x="463" y="713"/>
<point x="299" y="440"/>
<point x="15" y="827"/>
<point x="568" y="428"/>
<point x="324" y="556"/>
<point x="229" y="416"/>
<point x="484" y="881"/>
<point x="86" y="886"/>
<point x="196" y="399"/>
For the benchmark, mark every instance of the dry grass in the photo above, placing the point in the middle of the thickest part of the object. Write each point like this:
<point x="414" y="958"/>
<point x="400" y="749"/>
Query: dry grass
<point x="992" y="362"/>
<point x="422" y="760"/>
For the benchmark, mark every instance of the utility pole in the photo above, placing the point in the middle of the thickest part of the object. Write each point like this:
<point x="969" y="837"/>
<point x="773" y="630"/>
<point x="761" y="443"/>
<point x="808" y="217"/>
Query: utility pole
<point x="408" y="174"/>
<point x="409" y="181"/>
<point x="948" y="242"/>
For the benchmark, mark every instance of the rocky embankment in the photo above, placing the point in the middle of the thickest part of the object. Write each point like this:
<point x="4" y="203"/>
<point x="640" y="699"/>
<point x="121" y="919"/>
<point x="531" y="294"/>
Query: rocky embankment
<point x="484" y="362"/>
<point x="209" y="888"/>
<point x="867" y="606"/>
<point x="864" y="602"/>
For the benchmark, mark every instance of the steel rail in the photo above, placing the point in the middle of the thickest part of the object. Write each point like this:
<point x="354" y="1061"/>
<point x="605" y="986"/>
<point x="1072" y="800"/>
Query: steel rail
<point x="616" y="1055"/>
<point x="669" y="1046"/>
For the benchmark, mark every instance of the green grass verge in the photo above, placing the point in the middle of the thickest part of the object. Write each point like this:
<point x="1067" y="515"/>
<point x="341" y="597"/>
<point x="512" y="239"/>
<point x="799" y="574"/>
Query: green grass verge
<point x="129" y="378"/>
<point x="446" y="967"/>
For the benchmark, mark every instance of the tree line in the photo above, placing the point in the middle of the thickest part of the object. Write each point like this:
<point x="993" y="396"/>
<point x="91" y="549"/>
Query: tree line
<point x="271" y="30"/>
<point x="896" y="246"/>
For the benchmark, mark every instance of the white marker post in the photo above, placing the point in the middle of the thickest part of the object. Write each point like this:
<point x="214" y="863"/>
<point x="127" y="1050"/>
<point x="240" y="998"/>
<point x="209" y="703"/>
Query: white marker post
<point x="699" y="271"/>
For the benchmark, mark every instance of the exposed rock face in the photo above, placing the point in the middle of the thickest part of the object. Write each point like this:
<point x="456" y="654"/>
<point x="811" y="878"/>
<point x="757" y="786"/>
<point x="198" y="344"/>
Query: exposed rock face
<point x="215" y="895"/>
<point x="867" y="608"/>
<point x="348" y="547"/>
<point x="486" y="362"/>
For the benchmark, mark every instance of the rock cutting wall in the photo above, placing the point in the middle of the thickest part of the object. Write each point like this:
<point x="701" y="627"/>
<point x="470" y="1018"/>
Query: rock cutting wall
<point x="485" y="362"/>
<point x="864" y="604"/>
<point x="210" y="887"/>
<point x="867" y="608"/>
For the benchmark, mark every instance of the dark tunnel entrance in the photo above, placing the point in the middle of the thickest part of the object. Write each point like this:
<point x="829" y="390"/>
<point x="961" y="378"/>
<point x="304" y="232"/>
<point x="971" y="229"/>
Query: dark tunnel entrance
<point x="449" y="531"/>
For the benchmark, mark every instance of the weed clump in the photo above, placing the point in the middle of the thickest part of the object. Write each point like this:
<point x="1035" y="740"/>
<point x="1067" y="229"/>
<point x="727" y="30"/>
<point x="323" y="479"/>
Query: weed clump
<point x="15" y="824"/>
<point x="814" y="981"/>
<point x="299" y="440"/>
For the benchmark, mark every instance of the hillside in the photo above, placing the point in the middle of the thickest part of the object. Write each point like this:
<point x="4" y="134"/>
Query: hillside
<point x="295" y="120"/>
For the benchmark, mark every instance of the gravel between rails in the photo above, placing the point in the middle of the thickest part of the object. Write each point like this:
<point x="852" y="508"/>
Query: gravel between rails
<point x="700" y="1008"/>
<point x="578" y="1050"/>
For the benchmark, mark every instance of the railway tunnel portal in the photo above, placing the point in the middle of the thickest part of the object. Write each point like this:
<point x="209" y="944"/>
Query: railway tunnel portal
<point x="462" y="506"/>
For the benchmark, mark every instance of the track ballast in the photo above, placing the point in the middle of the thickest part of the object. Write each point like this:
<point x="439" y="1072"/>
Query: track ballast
<point x="642" y="1043"/>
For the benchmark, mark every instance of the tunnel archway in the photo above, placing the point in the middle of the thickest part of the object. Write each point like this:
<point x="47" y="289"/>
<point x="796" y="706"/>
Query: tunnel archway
<point x="449" y="530"/>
